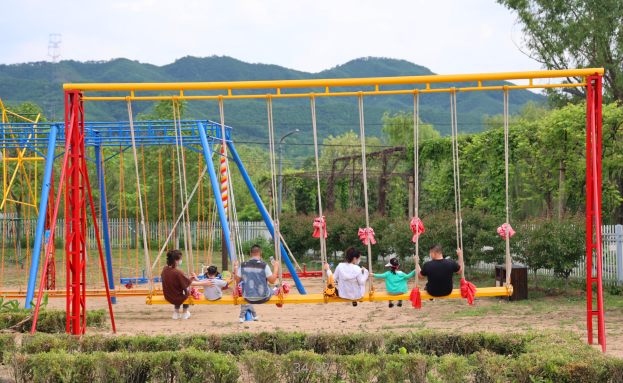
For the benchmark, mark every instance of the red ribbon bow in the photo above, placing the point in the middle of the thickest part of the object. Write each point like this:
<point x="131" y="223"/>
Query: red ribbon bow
<point x="286" y="290"/>
<point x="415" y="298"/>
<point x="468" y="291"/>
<point x="504" y="228"/>
<point x="417" y="227"/>
<point x="317" y="227"/>
<point x="128" y="285"/>
<point x="237" y="291"/>
<point x="195" y="293"/>
<point x="364" y="234"/>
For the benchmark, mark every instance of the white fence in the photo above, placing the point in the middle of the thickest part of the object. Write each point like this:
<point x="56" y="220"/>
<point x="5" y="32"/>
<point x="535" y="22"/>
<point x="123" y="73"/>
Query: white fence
<point x="123" y="233"/>
<point x="612" y="258"/>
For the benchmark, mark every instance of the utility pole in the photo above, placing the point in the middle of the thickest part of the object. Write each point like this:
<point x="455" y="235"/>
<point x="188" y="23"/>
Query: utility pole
<point x="280" y="178"/>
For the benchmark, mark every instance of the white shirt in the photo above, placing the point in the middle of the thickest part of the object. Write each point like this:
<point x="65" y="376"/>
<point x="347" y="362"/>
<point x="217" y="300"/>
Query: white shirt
<point x="213" y="293"/>
<point x="351" y="281"/>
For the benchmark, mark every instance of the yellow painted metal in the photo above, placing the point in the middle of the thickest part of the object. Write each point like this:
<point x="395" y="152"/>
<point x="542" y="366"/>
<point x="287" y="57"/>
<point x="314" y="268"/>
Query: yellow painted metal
<point x="20" y="164"/>
<point x="323" y="83"/>
<point x="335" y="94"/>
<point x="319" y="298"/>
<point x="25" y="159"/>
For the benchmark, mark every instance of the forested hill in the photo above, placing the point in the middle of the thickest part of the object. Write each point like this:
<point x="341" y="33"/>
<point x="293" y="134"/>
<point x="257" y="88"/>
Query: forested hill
<point x="32" y="82"/>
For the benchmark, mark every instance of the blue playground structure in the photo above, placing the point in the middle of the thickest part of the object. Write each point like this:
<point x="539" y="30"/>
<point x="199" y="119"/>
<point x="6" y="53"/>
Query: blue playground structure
<point x="198" y="135"/>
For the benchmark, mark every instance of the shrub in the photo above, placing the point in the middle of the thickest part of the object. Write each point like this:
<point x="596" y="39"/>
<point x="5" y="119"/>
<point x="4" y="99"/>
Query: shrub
<point x="49" y="321"/>
<point x="259" y="367"/>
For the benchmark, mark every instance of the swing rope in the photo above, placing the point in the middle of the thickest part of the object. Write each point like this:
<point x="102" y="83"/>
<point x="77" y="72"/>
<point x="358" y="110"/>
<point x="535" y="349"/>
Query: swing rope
<point x="416" y="167"/>
<point x="365" y="188"/>
<point x="179" y="217"/>
<point x="140" y="201"/>
<point x="273" y="180"/>
<point x="323" y="243"/>
<point x="182" y="171"/>
<point x="456" y="177"/>
<point x="509" y="264"/>
<point x="224" y="154"/>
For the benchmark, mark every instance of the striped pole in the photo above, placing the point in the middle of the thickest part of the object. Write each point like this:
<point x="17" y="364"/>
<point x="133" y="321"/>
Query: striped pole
<point x="224" y="178"/>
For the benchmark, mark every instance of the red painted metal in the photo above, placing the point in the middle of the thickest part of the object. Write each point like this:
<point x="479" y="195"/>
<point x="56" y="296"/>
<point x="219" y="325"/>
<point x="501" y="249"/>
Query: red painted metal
<point x="50" y="282"/>
<point x="77" y="186"/>
<point x="593" y="209"/>
<point x="304" y="274"/>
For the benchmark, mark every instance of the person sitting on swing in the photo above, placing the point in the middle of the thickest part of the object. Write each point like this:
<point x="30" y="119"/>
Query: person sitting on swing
<point x="440" y="271"/>
<point x="255" y="276"/>
<point x="175" y="284"/>
<point x="351" y="277"/>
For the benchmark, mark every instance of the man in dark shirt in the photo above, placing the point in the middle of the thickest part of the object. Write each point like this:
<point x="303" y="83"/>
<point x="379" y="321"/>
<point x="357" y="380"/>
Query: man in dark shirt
<point x="440" y="272"/>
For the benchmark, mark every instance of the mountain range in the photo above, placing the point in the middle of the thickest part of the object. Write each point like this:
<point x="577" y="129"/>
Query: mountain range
<point x="41" y="82"/>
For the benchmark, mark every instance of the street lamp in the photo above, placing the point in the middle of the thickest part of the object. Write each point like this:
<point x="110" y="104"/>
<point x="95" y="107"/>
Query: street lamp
<point x="280" y="142"/>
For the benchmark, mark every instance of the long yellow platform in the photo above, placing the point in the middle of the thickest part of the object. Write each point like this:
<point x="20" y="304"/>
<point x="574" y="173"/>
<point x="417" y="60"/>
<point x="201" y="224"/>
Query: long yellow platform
<point x="319" y="298"/>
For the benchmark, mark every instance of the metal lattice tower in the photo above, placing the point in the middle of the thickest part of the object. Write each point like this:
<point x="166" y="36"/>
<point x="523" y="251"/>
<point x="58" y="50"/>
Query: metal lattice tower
<point x="54" y="51"/>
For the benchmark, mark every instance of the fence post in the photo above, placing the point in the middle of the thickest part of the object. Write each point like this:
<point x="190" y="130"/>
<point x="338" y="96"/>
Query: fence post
<point x="618" y="231"/>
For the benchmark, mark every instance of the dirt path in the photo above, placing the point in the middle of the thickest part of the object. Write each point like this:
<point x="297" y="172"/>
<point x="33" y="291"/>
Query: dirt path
<point x="133" y="316"/>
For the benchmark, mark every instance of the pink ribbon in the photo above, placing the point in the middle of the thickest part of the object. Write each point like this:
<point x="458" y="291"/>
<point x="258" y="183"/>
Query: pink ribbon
<point x="503" y="229"/>
<point x="236" y="291"/>
<point x="286" y="290"/>
<point x="195" y="293"/>
<point x="417" y="227"/>
<point x="364" y="234"/>
<point x="317" y="227"/>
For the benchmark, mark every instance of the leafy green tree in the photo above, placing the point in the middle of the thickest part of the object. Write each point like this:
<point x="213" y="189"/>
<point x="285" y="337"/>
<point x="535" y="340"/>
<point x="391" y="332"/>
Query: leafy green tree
<point x="163" y="111"/>
<point x="346" y="144"/>
<point x="567" y="245"/>
<point x="399" y="128"/>
<point x="568" y="34"/>
<point x="530" y="244"/>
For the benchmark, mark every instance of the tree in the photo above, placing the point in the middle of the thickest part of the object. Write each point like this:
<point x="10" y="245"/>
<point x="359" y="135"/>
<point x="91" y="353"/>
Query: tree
<point x="574" y="34"/>
<point x="163" y="111"/>
<point x="530" y="245"/>
<point x="399" y="129"/>
<point x="346" y="144"/>
<point x="567" y="245"/>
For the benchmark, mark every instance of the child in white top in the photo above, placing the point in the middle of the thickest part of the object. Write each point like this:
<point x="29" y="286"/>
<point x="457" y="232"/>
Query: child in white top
<point x="214" y="293"/>
<point x="349" y="277"/>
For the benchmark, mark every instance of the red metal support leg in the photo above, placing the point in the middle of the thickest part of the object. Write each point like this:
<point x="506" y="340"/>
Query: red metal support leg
<point x="74" y="174"/>
<point x="50" y="283"/>
<point x="593" y="210"/>
<point x="75" y="201"/>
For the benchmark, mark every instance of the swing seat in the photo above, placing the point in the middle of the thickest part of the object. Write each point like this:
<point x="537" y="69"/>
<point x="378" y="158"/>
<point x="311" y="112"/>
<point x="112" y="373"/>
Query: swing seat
<point x="319" y="298"/>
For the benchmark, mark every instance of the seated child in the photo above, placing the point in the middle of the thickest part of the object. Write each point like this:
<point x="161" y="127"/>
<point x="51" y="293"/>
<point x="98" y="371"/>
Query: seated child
<point x="214" y="293"/>
<point x="395" y="281"/>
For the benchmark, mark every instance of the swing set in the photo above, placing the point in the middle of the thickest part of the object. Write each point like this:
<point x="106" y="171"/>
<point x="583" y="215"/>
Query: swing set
<point x="77" y="181"/>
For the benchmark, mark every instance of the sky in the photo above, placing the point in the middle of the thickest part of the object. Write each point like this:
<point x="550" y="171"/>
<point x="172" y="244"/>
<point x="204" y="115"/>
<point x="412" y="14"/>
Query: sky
<point x="446" y="36"/>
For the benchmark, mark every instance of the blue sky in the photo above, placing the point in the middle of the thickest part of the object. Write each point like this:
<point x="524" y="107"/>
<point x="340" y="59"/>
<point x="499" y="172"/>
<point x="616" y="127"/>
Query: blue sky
<point x="447" y="36"/>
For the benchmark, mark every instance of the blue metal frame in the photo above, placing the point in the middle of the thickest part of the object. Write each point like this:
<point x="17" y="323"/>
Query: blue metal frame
<point x="43" y="207"/>
<point x="104" y="209"/>
<point x="265" y="216"/>
<point x="148" y="133"/>
<point x="102" y="134"/>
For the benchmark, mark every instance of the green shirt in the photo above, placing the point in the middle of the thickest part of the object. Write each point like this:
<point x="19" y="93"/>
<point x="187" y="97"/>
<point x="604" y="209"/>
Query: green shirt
<point x="395" y="283"/>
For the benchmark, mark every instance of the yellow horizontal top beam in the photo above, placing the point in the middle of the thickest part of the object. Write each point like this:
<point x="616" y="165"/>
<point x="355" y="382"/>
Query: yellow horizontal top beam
<point x="319" y="298"/>
<point x="278" y="84"/>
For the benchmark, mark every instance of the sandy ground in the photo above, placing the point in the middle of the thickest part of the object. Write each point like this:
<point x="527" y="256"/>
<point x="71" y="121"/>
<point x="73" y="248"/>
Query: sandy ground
<point x="133" y="316"/>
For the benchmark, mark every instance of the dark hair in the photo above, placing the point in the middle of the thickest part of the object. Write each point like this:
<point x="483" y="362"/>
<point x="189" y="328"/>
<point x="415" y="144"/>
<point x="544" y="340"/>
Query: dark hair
<point x="172" y="256"/>
<point x="351" y="254"/>
<point x="211" y="271"/>
<point x="256" y="249"/>
<point x="394" y="265"/>
<point x="436" y="248"/>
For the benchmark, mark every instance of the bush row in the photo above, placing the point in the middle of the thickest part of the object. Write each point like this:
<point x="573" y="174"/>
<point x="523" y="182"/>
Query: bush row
<point x="49" y="321"/>
<point x="192" y="365"/>
<point x="424" y="342"/>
